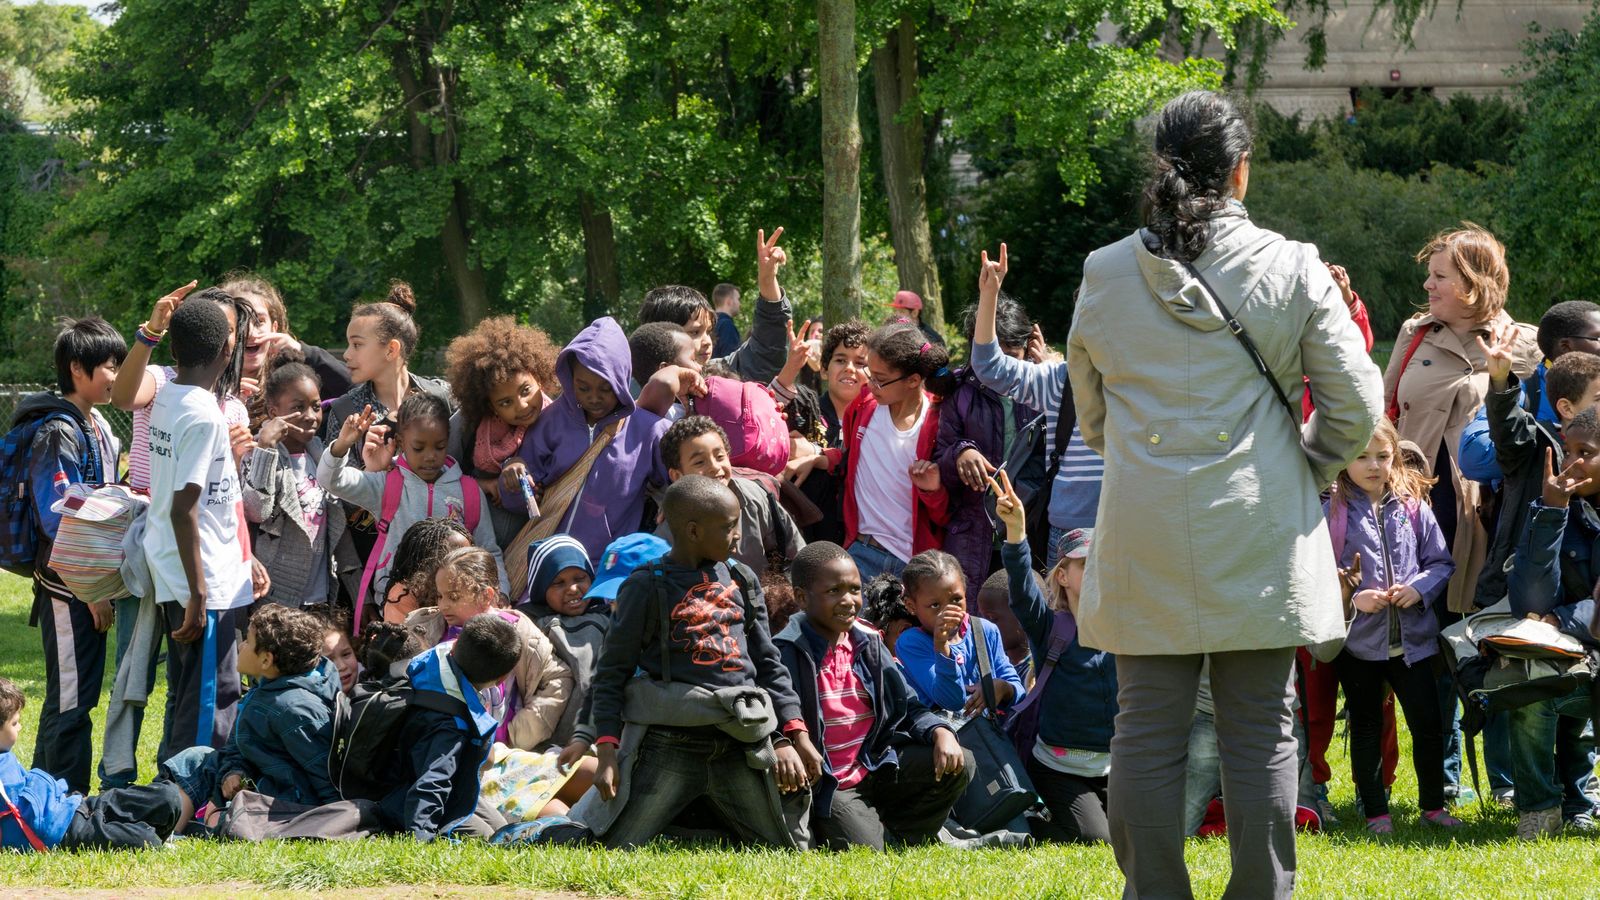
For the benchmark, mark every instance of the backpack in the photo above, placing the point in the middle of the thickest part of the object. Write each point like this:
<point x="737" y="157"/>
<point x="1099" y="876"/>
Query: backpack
<point x="19" y="521"/>
<point x="365" y="755"/>
<point x="758" y="435"/>
<point x="393" y="487"/>
<point x="1023" y="723"/>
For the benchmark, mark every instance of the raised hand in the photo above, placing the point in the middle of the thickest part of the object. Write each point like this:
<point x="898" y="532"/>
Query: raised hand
<point x="274" y="430"/>
<point x="1559" y="487"/>
<point x="1036" y="348"/>
<point x="351" y="429"/>
<point x="1008" y="506"/>
<point x="166" y="306"/>
<point x="1342" y="279"/>
<point x="991" y="274"/>
<point x="1499" y="352"/>
<point x="1350" y="579"/>
<point x="377" y="453"/>
<point x="799" y="354"/>
<point x="769" y="259"/>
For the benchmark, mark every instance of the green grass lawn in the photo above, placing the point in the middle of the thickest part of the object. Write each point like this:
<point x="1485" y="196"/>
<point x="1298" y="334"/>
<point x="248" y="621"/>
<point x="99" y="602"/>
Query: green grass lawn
<point x="1345" y="863"/>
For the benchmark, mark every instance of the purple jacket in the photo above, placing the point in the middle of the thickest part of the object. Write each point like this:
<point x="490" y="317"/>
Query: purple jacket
<point x="1397" y="556"/>
<point x="611" y="503"/>
<point x="972" y="416"/>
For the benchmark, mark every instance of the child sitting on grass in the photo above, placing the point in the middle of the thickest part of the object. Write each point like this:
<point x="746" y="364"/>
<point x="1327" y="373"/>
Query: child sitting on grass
<point x="410" y="585"/>
<point x="436" y="773"/>
<point x="713" y="715"/>
<point x="38" y="813"/>
<point x="281" y="738"/>
<point x="892" y="770"/>
<point x="530" y="703"/>
<point x="698" y="446"/>
<point x="337" y="646"/>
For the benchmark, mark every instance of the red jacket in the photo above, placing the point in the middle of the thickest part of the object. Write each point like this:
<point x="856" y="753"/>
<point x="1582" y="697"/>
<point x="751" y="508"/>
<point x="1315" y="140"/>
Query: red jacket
<point x="1358" y="314"/>
<point x="931" y="509"/>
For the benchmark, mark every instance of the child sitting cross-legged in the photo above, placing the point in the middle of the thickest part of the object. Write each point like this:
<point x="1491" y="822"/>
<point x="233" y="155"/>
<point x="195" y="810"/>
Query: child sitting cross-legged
<point x="436" y="775"/>
<point x="698" y="446"/>
<point x="713" y="715"/>
<point x="531" y="701"/>
<point x="891" y="769"/>
<point x="38" y="813"/>
<point x="284" y="729"/>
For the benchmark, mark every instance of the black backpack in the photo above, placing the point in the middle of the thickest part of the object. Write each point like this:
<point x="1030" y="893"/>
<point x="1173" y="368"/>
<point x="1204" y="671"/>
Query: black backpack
<point x="364" y="762"/>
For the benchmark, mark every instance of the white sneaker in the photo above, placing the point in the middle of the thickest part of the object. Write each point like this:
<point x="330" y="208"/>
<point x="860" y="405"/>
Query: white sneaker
<point x="1539" y="823"/>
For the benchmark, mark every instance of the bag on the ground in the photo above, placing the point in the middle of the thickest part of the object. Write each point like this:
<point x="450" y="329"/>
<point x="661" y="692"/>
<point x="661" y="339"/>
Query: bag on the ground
<point x="19" y="522"/>
<point x="88" y="550"/>
<point x="550" y="831"/>
<point x="256" y="817"/>
<point x="365" y="756"/>
<point x="1000" y="789"/>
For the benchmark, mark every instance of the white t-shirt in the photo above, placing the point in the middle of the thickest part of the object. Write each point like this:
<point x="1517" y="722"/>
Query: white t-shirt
<point x="188" y="441"/>
<point x="885" y="499"/>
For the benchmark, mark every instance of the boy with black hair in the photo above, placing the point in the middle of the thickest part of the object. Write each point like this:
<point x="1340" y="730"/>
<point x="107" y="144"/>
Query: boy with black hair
<point x="437" y="770"/>
<point x="657" y="344"/>
<point x="198" y="551"/>
<point x="38" y="812"/>
<point x="1555" y="565"/>
<point x="713" y="714"/>
<point x="72" y="443"/>
<point x="760" y="357"/>
<point x="284" y="729"/>
<point x="698" y="446"/>
<point x="892" y="768"/>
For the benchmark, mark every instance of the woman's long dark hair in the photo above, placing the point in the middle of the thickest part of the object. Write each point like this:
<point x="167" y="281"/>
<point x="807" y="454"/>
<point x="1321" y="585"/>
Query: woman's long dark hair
<point x="1201" y="137"/>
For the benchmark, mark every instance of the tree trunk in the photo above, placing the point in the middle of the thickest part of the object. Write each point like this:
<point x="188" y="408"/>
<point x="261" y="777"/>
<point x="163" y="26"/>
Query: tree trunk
<point x="894" y="74"/>
<point x="841" y="160"/>
<point x="602" y="280"/>
<point x="471" y="291"/>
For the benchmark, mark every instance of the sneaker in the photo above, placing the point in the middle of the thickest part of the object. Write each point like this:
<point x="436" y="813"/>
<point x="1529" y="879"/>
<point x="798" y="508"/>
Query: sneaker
<point x="1324" y="808"/>
<point x="1441" y="819"/>
<point x="1380" y="825"/>
<point x="1539" y="823"/>
<point x="1582" y="823"/>
<point x="1505" y="798"/>
<point x="1459" y="795"/>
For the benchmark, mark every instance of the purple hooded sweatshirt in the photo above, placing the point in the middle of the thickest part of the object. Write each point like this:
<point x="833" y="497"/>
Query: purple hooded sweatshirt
<point x="1398" y="556"/>
<point x="611" y="503"/>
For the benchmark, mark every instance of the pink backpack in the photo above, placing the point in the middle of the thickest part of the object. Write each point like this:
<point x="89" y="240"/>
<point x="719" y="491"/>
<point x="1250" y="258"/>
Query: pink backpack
<point x="393" y="486"/>
<point x="758" y="435"/>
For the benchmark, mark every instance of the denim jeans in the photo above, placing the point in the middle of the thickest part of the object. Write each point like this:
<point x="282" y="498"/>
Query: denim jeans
<point x="872" y="561"/>
<point x="1451" y="708"/>
<point x="1544" y="777"/>
<point x="1205" y="771"/>
<point x="676" y="766"/>
<point x="195" y="773"/>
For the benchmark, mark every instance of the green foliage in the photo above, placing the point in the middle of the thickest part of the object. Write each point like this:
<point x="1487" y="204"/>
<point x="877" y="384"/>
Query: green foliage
<point x="1401" y="135"/>
<point x="1371" y="222"/>
<point x="1553" y="203"/>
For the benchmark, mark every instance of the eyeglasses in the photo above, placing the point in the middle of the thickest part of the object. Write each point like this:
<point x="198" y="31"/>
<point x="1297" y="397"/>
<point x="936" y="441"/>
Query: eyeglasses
<point x="1585" y="337"/>
<point x="880" y="385"/>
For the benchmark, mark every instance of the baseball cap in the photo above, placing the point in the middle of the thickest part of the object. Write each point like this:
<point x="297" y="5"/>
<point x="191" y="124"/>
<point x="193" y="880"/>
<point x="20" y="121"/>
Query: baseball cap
<point x="622" y="556"/>
<point x="906" y="300"/>
<point x="1075" y="544"/>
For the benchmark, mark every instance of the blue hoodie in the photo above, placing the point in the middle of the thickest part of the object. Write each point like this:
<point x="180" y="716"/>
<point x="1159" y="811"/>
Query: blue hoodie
<point x="441" y="754"/>
<point x="611" y="503"/>
<point x="44" y="802"/>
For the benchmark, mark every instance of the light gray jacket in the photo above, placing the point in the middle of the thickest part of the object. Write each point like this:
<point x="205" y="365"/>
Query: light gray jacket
<point x="1210" y="535"/>
<point x="282" y="543"/>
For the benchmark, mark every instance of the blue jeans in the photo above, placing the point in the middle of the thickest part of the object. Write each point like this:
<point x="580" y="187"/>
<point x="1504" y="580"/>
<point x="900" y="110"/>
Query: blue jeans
<point x="1204" y="772"/>
<point x="872" y="561"/>
<point x="676" y="766"/>
<point x="1550" y="759"/>
<point x="194" y="771"/>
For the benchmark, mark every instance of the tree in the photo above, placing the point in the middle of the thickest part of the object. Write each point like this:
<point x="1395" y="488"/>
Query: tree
<point x="903" y="138"/>
<point x="841" y="160"/>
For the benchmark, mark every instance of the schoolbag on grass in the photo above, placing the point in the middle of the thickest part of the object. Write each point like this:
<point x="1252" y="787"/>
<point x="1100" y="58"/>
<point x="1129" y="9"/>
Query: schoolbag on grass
<point x="393" y="487"/>
<point x="19" y="522"/>
<point x="758" y="435"/>
<point x="365" y="755"/>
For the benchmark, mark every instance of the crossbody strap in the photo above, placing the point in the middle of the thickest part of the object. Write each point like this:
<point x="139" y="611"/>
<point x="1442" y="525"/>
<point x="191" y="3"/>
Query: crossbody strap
<point x="985" y="664"/>
<point x="11" y="810"/>
<point x="1237" y="329"/>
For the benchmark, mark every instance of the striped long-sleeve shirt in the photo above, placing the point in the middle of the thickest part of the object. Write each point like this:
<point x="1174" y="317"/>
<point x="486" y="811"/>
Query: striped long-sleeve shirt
<point x="1075" y="497"/>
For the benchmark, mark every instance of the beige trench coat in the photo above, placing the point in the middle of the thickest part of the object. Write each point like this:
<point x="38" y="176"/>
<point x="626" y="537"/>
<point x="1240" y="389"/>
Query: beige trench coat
<point x="1442" y="390"/>
<point x="1210" y="535"/>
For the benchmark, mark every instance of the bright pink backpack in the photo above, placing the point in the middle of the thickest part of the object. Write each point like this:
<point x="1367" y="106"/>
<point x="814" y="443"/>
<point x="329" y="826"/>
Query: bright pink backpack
<point x="758" y="435"/>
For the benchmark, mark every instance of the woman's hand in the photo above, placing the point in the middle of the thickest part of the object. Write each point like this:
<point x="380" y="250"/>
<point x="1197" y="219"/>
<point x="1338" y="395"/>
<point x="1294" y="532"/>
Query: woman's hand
<point x="1342" y="279"/>
<point x="974" y="469"/>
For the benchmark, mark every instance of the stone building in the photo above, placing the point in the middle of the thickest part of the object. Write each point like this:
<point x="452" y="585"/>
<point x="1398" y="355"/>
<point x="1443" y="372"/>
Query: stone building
<point x="1470" y="47"/>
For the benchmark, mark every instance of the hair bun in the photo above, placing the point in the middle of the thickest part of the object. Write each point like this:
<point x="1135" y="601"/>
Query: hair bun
<point x="400" y="295"/>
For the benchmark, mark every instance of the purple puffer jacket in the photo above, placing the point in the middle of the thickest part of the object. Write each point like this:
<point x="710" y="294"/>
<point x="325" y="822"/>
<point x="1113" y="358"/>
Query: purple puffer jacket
<point x="1398" y="556"/>
<point x="972" y="416"/>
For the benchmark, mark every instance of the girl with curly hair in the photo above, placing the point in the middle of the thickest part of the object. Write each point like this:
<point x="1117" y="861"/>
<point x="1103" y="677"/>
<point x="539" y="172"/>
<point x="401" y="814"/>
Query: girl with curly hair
<point x="503" y="375"/>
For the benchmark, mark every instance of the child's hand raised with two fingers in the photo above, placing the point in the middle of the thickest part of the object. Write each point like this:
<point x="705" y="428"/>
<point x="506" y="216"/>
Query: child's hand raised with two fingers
<point x="1559" y="488"/>
<point x="769" y="259"/>
<point x="1008" y="506"/>
<point x="1499" y="351"/>
<point x="351" y="429"/>
<point x="924" y="475"/>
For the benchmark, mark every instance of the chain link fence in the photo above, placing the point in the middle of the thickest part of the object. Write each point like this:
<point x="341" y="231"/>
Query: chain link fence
<point x="11" y="395"/>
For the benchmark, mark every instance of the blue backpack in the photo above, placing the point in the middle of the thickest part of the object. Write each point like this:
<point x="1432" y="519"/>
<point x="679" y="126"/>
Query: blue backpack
<point x="19" y="522"/>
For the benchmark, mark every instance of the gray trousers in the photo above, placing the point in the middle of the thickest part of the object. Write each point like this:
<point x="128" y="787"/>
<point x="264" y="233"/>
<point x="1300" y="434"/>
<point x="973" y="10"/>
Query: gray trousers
<point x="1253" y="691"/>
